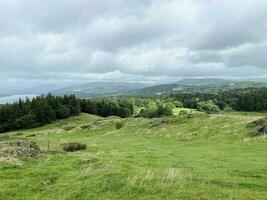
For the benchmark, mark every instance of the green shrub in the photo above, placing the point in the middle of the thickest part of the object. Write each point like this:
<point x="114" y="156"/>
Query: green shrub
<point x="31" y="135"/>
<point x="186" y="114"/>
<point x="157" y="110"/>
<point x="68" y="128"/>
<point x="74" y="146"/>
<point x="119" y="125"/>
<point x="165" y="109"/>
<point x="208" y="107"/>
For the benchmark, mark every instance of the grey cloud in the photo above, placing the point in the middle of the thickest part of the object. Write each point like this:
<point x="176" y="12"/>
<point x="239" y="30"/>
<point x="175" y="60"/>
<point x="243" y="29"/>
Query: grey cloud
<point x="131" y="40"/>
<point x="247" y="55"/>
<point x="61" y="16"/>
<point x="232" y="23"/>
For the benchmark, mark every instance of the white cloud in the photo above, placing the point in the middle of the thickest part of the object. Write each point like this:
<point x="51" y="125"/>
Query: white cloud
<point x="131" y="40"/>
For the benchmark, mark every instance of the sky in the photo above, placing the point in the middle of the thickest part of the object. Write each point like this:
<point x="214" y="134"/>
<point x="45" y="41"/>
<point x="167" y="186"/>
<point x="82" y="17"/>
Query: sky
<point x="71" y="41"/>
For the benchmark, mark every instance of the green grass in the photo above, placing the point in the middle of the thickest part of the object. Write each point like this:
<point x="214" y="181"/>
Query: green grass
<point x="204" y="157"/>
<point x="176" y="111"/>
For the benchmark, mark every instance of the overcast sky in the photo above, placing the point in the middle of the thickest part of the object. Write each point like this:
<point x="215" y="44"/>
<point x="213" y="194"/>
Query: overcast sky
<point x="130" y="40"/>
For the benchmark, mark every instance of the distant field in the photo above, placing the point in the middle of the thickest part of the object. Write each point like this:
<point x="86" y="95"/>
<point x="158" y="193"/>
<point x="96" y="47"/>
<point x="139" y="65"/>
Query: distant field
<point x="203" y="157"/>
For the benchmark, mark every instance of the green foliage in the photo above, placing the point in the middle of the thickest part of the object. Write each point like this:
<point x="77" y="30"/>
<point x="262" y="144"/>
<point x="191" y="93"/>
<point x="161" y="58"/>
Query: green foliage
<point x="208" y="107"/>
<point x="74" y="146"/>
<point x="43" y="112"/>
<point x="203" y="86"/>
<point x="157" y="110"/>
<point x="40" y="110"/>
<point x="26" y="121"/>
<point x="178" y="104"/>
<point x="62" y="112"/>
<point x="108" y="107"/>
<point x="186" y="114"/>
<point x="252" y="100"/>
<point x="241" y="99"/>
<point x="119" y="125"/>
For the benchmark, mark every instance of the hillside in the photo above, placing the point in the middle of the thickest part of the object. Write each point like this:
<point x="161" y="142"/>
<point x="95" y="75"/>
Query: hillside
<point x="205" y="81"/>
<point x="193" y="86"/>
<point x="174" y="88"/>
<point x="247" y="84"/>
<point x="93" y="89"/>
<point x="205" y="157"/>
<point x="34" y="90"/>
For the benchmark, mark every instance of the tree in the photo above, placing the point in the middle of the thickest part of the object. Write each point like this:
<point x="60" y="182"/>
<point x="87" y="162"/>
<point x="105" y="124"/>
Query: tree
<point x="36" y="112"/>
<point x="44" y="113"/>
<point x="62" y="112"/>
<point x="208" y="107"/>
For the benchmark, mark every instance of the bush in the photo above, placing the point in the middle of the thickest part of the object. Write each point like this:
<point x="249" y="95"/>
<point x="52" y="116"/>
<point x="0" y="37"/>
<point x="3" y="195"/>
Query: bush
<point x="74" y="146"/>
<point x="68" y="128"/>
<point x="158" y="110"/>
<point x="186" y="114"/>
<point x="208" y="107"/>
<point x="118" y="125"/>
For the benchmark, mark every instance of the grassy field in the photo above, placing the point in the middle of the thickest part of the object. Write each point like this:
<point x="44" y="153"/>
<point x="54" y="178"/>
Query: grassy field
<point x="203" y="157"/>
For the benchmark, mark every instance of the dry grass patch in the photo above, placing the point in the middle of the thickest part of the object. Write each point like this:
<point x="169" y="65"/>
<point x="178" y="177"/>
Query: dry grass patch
<point x="14" y="151"/>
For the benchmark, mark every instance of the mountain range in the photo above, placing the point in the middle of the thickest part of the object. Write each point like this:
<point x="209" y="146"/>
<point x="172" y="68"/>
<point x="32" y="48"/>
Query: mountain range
<point x="204" y="81"/>
<point x="94" y="89"/>
<point x="197" y="85"/>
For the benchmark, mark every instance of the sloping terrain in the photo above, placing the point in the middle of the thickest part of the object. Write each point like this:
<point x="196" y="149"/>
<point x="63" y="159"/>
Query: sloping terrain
<point x="205" y="81"/>
<point x="197" y="86"/>
<point x="94" y="89"/>
<point x="203" y="157"/>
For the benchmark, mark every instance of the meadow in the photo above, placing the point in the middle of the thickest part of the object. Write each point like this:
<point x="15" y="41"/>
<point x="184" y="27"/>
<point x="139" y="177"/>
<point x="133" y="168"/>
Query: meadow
<point x="198" y="157"/>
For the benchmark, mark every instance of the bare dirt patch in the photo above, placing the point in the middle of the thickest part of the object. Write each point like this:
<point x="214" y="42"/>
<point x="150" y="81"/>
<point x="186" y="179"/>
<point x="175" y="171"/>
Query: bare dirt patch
<point x="14" y="151"/>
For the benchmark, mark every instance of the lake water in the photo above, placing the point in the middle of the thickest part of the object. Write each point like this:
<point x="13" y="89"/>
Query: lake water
<point x="13" y="98"/>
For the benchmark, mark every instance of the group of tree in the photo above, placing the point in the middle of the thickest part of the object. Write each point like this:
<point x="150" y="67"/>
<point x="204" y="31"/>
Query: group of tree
<point x="157" y="109"/>
<point x="253" y="100"/>
<point x="245" y="99"/>
<point x="36" y="112"/>
<point x="130" y="106"/>
<point x="45" y="109"/>
<point x="107" y="107"/>
<point x="208" y="107"/>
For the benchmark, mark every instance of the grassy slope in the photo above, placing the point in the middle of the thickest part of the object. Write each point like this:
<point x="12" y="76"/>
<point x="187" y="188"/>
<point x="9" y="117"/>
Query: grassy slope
<point x="205" y="157"/>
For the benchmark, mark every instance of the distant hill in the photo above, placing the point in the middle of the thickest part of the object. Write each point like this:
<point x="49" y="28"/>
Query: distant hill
<point x="247" y="84"/>
<point x="34" y="90"/>
<point x="204" y="81"/>
<point x="93" y="89"/>
<point x="190" y="86"/>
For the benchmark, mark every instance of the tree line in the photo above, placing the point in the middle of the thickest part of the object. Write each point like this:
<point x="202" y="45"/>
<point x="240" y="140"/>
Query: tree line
<point x="247" y="99"/>
<point x="36" y="112"/>
<point x="46" y="109"/>
<point x="253" y="100"/>
<point x="107" y="107"/>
